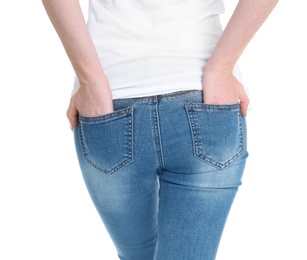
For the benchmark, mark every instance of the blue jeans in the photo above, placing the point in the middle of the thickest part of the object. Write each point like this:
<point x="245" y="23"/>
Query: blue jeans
<point x="163" y="172"/>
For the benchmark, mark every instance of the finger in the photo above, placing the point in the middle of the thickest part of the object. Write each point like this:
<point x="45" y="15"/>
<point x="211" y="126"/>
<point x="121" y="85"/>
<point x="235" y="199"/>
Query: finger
<point x="244" y="101"/>
<point x="72" y="114"/>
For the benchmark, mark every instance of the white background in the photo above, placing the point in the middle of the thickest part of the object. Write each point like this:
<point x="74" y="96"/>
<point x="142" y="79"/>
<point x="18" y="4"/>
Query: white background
<point x="45" y="210"/>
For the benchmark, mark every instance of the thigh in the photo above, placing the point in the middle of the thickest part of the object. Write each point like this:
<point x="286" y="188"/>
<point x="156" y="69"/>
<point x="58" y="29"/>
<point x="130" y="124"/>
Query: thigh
<point x="121" y="178"/>
<point x="191" y="221"/>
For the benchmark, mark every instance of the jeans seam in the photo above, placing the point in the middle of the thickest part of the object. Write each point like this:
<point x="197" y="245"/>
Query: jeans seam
<point x="157" y="134"/>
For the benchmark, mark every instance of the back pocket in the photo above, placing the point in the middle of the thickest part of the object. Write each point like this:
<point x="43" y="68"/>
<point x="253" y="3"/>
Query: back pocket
<point x="217" y="133"/>
<point x="106" y="141"/>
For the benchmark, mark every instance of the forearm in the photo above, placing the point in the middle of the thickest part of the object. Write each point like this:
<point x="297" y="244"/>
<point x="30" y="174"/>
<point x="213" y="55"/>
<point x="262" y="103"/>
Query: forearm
<point x="247" y="18"/>
<point x="68" y="21"/>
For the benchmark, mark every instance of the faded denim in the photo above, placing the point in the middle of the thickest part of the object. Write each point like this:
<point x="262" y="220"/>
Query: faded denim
<point x="163" y="172"/>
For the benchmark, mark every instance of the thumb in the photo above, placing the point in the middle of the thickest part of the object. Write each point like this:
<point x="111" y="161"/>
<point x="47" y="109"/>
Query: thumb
<point x="72" y="114"/>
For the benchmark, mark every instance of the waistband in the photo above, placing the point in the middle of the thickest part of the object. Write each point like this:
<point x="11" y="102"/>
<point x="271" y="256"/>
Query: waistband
<point x="161" y="97"/>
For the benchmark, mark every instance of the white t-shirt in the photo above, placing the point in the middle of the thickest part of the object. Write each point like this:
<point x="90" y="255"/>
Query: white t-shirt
<point x="151" y="47"/>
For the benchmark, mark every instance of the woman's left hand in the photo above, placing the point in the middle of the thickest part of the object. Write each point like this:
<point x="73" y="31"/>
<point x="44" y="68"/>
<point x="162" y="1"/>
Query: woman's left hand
<point x="222" y="87"/>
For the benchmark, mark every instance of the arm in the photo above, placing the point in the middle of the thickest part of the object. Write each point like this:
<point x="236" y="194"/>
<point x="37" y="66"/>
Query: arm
<point x="94" y="95"/>
<point x="219" y="84"/>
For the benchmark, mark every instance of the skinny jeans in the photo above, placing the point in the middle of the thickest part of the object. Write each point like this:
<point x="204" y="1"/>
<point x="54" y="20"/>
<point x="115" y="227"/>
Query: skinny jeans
<point x="162" y="172"/>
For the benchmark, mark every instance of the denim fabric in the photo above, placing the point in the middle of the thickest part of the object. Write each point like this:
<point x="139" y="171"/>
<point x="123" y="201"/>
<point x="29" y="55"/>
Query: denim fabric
<point x="163" y="172"/>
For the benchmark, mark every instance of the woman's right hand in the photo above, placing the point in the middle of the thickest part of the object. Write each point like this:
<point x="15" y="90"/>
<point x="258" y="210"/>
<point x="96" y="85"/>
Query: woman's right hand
<point x="90" y="100"/>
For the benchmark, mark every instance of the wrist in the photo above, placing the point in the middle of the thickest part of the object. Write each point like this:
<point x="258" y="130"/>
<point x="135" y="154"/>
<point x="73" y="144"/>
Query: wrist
<point x="94" y="81"/>
<point x="219" y="66"/>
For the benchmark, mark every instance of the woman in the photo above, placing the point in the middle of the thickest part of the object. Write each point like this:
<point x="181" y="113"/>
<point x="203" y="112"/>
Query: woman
<point x="158" y="112"/>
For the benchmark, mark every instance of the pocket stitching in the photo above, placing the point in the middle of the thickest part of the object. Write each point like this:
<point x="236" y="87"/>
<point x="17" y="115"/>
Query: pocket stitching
<point x="197" y="151"/>
<point x="104" y="118"/>
<point x="100" y="119"/>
